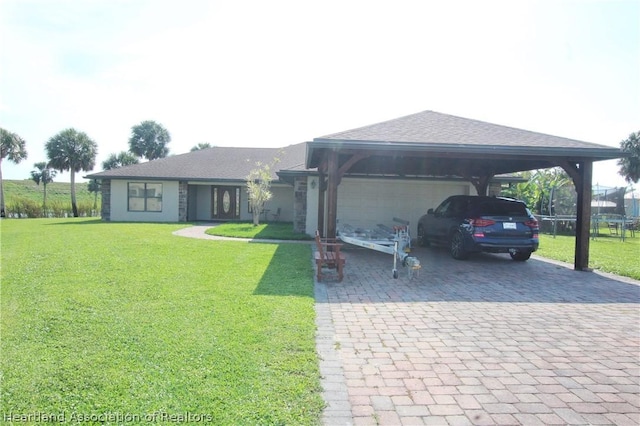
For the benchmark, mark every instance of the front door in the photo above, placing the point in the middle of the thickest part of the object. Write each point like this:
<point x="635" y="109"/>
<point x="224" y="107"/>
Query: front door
<point x="225" y="202"/>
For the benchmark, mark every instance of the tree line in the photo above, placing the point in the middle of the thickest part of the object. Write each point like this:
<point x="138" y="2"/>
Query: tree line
<point x="74" y="151"/>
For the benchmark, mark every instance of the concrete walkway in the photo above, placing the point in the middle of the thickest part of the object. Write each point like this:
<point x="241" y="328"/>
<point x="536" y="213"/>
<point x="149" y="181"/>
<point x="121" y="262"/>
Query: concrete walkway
<point x="487" y="341"/>
<point x="198" y="231"/>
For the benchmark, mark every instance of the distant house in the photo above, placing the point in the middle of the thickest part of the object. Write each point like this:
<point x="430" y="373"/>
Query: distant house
<point x="399" y="168"/>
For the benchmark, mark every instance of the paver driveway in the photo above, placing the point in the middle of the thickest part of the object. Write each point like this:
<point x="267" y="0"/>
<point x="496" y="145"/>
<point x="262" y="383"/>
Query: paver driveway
<point x="485" y="341"/>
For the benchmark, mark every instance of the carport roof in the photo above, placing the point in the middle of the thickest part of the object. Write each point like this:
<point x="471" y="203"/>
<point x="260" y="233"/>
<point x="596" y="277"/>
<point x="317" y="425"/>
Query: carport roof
<point x="432" y="143"/>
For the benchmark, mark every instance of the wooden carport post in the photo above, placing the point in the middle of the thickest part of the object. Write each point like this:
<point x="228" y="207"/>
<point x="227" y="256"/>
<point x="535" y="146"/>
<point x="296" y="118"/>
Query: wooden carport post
<point x="332" y="192"/>
<point x="322" y="190"/>
<point x="582" y="173"/>
<point x="334" y="172"/>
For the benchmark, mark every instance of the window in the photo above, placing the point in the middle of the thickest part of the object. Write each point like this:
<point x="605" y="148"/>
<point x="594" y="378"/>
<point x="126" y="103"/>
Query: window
<point x="145" y="197"/>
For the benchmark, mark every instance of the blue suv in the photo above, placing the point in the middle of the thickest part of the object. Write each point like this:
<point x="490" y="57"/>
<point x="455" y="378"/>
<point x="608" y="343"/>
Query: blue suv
<point x="467" y="224"/>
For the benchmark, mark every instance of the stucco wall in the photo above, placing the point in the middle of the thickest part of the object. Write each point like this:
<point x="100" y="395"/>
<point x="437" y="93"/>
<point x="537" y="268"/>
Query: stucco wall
<point x="202" y="202"/>
<point x="282" y="197"/>
<point x="312" y="205"/>
<point x="366" y="203"/>
<point x="361" y="202"/>
<point x="119" y="203"/>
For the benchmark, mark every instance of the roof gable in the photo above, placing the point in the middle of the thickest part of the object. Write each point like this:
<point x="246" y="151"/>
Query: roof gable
<point x="430" y="127"/>
<point x="433" y="135"/>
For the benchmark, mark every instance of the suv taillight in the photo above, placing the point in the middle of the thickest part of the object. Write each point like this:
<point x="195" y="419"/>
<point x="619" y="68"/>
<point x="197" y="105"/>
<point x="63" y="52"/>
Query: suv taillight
<point x="532" y="223"/>
<point x="479" y="223"/>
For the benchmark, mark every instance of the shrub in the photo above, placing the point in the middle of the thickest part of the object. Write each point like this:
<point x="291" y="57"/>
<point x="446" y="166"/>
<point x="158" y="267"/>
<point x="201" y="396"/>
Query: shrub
<point x="22" y="208"/>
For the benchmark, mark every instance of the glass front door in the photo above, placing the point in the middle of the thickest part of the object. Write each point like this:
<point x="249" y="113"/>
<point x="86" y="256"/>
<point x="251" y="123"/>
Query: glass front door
<point x="225" y="202"/>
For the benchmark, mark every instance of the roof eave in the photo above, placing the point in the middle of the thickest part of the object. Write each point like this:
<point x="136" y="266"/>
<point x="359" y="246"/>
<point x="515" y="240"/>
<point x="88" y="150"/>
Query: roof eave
<point x="97" y="176"/>
<point x="594" y="154"/>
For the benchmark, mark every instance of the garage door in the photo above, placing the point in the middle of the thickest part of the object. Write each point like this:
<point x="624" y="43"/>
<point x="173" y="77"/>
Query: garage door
<point x="367" y="202"/>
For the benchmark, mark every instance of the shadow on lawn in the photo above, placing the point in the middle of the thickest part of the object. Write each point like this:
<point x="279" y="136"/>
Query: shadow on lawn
<point x="288" y="273"/>
<point x="281" y="231"/>
<point x="77" y="221"/>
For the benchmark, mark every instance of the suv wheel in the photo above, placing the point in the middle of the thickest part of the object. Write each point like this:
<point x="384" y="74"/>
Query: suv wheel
<point x="422" y="238"/>
<point x="520" y="256"/>
<point x="456" y="247"/>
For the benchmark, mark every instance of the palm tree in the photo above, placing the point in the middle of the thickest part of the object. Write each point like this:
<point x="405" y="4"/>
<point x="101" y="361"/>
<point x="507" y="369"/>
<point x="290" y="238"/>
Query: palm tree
<point x="45" y="175"/>
<point x="74" y="151"/>
<point x="12" y="147"/>
<point x="201" y="145"/>
<point x="149" y="139"/>
<point x="124" y="158"/>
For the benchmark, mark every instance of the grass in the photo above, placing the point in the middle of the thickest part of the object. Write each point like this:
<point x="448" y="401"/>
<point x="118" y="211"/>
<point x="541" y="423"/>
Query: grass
<point x="56" y="191"/>
<point x="126" y="318"/>
<point x="607" y="254"/>
<point x="265" y="231"/>
<point x="24" y="197"/>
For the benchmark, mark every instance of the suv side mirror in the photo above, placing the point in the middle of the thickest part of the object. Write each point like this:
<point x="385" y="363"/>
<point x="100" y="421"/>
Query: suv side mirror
<point x="430" y="211"/>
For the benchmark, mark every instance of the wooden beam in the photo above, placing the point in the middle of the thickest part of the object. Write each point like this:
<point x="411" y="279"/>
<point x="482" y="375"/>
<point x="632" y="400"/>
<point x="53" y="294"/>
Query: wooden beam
<point x="582" y="173"/>
<point x="481" y="183"/>
<point x="474" y="157"/>
<point x="350" y="162"/>
<point x="573" y="171"/>
<point x="330" y="178"/>
<point x="322" y="192"/>
<point x="332" y="193"/>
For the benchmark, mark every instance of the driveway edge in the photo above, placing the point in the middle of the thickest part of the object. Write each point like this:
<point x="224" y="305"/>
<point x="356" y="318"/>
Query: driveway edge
<point x="334" y="387"/>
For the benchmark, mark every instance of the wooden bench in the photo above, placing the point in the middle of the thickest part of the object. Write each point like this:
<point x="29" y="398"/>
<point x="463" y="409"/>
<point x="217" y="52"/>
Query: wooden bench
<point x="328" y="255"/>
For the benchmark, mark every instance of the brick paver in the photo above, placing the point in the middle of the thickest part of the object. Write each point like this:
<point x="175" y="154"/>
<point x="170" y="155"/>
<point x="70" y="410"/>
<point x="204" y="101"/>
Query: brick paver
<point x="483" y="341"/>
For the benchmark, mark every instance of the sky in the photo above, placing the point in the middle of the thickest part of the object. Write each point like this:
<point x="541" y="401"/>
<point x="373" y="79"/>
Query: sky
<point x="251" y="73"/>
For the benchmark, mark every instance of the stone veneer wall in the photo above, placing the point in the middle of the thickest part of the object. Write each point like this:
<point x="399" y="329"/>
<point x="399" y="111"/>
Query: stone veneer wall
<point x="300" y="204"/>
<point x="183" y="188"/>
<point x="495" y="188"/>
<point x="105" y="211"/>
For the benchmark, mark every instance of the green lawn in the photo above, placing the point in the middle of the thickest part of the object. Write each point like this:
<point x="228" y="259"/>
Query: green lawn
<point x="264" y="231"/>
<point x="128" y="319"/>
<point x="606" y="253"/>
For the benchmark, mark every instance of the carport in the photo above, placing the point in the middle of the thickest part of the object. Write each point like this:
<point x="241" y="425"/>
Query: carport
<point x="430" y="145"/>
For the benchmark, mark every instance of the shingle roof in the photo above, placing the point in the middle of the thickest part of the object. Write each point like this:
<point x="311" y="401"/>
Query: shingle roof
<point x="430" y="127"/>
<point x="426" y="133"/>
<point x="435" y="135"/>
<point x="217" y="163"/>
